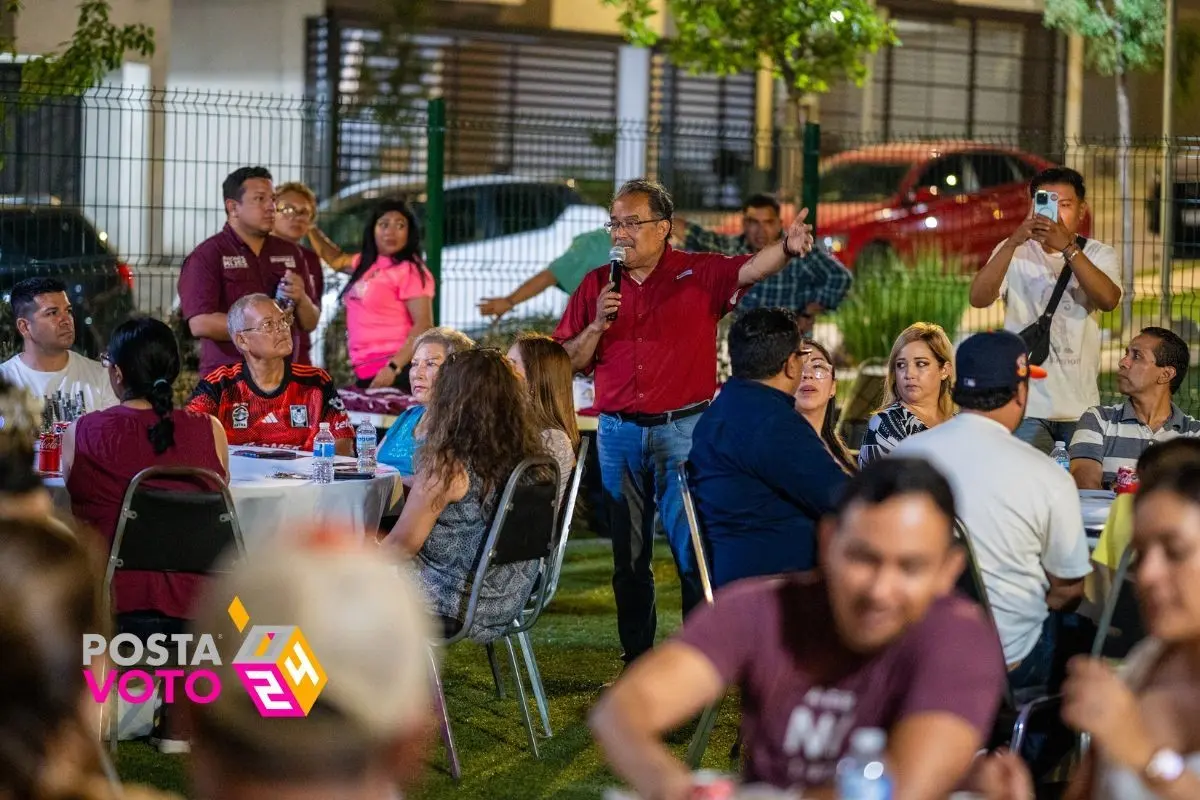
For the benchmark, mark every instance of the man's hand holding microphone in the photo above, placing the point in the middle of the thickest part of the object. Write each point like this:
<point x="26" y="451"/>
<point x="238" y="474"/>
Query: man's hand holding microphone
<point x="609" y="300"/>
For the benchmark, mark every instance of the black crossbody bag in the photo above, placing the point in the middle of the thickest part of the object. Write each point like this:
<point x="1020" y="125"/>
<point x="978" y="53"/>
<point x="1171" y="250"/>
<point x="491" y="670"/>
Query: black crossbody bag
<point x="1037" y="335"/>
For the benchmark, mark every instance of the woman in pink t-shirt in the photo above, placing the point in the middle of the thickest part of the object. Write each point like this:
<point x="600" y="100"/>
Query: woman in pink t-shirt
<point x="389" y="298"/>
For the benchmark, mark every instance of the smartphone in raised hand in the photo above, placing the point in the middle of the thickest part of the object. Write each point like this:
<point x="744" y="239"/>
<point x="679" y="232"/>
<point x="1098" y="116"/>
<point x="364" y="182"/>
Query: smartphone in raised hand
<point x="1045" y="204"/>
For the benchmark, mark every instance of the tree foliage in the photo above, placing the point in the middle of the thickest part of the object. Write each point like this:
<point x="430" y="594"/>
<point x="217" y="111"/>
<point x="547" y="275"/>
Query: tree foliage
<point x="1121" y="36"/>
<point x="96" y="48"/>
<point x="393" y="67"/>
<point x="810" y="45"/>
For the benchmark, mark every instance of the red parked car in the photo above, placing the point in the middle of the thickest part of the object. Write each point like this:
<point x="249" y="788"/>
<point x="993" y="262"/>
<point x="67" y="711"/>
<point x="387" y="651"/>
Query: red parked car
<point x="961" y="198"/>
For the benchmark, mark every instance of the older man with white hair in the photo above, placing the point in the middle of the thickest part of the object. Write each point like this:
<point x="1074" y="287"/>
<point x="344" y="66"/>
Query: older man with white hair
<point x="267" y="400"/>
<point x="357" y="635"/>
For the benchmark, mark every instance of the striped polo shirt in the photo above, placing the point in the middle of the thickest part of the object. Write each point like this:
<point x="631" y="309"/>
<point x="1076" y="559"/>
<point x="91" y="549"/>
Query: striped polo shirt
<point x="1114" y="436"/>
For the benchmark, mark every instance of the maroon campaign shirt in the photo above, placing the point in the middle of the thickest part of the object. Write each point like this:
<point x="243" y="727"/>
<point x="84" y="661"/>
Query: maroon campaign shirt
<point x="661" y="353"/>
<point x="223" y="268"/>
<point x="803" y="693"/>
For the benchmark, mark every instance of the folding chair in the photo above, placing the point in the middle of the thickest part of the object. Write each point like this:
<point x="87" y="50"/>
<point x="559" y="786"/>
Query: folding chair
<point x="1016" y="714"/>
<point x="522" y="530"/>
<point x="1121" y="625"/>
<point x="866" y="393"/>
<point x="544" y="591"/>
<point x="708" y="717"/>
<point x="171" y="531"/>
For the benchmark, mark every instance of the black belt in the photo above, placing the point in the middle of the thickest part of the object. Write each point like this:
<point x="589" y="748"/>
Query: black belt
<point x="650" y="420"/>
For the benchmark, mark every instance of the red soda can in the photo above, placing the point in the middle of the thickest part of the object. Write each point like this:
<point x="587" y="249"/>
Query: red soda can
<point x="1127" y="481"/>
<point x="49" y="452"/>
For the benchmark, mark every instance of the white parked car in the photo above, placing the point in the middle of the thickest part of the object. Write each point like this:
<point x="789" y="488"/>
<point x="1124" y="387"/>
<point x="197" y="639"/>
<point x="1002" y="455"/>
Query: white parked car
<point x="500" y="231"/>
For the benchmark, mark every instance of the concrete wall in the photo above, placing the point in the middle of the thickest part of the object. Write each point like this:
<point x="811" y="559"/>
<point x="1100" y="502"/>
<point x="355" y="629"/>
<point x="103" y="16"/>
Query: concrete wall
<point x="43" y="25"/>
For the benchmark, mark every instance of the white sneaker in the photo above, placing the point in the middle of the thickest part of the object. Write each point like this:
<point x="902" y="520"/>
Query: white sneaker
<point x="171" y="747"/>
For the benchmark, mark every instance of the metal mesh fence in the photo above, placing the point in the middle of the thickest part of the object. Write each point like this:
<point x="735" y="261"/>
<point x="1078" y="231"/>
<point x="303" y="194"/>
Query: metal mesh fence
<point x="112" y="190"/>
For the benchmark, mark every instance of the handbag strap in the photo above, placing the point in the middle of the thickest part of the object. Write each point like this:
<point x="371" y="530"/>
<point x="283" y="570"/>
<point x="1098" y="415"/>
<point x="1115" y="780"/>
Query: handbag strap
<point x="1060" y="287"/>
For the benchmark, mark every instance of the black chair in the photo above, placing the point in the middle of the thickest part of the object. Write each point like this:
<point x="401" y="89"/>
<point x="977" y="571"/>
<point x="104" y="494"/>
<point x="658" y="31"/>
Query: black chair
<point x="1121" y="625"/>
<point x="522" y="530"/>
<point x="970" y="581"/>
<point x="708" y="717"/>
<point x="1017" y="708"/>
<point x="171" y="531"/>
<point x="544" y="591"/>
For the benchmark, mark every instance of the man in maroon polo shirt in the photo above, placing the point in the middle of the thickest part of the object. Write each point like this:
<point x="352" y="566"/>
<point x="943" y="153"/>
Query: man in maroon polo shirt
<point x="244" y="258"/>
<point x="655" y="366"/>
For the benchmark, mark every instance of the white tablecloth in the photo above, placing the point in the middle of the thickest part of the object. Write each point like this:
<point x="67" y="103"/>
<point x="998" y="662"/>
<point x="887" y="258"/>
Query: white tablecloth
<point x="269" y="506"/>
<point x="1095" y="504"/>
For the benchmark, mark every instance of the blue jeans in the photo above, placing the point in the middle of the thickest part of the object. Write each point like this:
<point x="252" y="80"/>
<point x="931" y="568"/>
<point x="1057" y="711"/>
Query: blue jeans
<point x="1064" y="636"/>
<point x="1043" y="433"/>
<point x="639" y="471"/>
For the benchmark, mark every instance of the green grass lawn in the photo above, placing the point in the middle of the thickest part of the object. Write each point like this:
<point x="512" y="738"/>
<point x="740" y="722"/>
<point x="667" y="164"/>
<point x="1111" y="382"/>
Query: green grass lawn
<point x="577" y="649"/>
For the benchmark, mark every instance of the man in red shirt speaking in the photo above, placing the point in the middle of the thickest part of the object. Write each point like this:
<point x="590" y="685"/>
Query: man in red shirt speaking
<point x="266" y="400"/>
<point x="653" y="348"/>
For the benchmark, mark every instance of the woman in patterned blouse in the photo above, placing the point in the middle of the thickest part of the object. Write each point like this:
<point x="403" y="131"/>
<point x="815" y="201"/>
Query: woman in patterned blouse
<point x="916" y="391"/>
<point x="478" y="429"/>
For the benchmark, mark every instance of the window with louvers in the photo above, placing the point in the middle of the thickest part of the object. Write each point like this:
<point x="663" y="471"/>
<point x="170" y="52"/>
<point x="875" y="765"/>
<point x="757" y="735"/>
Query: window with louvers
<point x="703" y="143"/>
<point x="514" y="104"/>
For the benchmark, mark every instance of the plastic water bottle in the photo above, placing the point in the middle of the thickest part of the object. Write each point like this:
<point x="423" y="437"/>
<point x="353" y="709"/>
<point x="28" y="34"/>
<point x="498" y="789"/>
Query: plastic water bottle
<point x="323" y="455"/>
<point x="863" y="773"/>
<point x="364" y="443"/>
<point x="282" y="300"/>
<point x="1060" y="455"/>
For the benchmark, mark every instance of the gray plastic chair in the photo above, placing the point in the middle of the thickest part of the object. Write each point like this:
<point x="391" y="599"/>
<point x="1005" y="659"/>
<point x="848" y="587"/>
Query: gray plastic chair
<point x="170" y="531"/>
<point x="522" y="530"/>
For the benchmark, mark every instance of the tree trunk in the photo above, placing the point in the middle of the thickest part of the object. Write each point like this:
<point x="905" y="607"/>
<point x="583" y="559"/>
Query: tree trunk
<point x="1127" y="266"/>
<point x="790" y="155"/>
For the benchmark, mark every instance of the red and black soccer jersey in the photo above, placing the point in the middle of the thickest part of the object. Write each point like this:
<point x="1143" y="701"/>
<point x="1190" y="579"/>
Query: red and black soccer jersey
<point x="288" y="417"/>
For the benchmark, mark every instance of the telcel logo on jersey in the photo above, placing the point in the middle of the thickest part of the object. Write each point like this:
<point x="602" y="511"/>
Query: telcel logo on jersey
<point x="275" y="664"/>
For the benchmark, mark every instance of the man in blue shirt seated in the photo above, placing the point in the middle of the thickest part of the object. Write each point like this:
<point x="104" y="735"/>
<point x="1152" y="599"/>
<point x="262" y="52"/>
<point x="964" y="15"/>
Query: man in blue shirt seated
<point x="761" y="476"/>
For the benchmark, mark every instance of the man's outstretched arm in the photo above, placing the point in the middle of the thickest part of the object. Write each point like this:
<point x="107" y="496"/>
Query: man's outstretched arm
<point x="663" y="690"/>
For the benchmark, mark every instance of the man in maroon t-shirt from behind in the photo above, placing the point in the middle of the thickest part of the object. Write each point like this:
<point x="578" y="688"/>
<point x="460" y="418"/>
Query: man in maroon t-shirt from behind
<point x="653" y="348"/>
<point x="877" y="639"/>
<point x="244" y="258"/>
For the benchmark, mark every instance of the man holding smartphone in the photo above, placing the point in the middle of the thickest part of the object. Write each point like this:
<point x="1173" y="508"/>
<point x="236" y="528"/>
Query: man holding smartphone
<point x="1023" y="269"/>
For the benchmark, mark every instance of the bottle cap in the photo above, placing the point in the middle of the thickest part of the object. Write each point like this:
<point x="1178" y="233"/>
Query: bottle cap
<point x="324" y="426"/>
<point x="1060" y="444"/>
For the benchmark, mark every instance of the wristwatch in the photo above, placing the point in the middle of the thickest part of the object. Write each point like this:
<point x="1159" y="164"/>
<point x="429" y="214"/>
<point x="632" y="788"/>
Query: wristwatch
<point x="1070" y="251"/>
<point x="1166" y="766"/>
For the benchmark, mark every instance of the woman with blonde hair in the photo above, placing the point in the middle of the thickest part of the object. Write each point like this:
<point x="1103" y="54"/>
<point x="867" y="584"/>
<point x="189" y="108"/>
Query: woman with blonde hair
<point x="546" y="368"/>
<point x="916" y="390"/>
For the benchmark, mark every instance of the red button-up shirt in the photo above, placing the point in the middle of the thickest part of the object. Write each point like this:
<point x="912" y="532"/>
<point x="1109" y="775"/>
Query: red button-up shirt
<point x="223" y="268"/>
<point x="661" y="353"/>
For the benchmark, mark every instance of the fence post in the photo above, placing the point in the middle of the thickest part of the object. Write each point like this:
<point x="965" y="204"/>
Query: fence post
<point x="1166" y="209"/>
<point x="435" y="196"/>
<point x="812" y="181"/>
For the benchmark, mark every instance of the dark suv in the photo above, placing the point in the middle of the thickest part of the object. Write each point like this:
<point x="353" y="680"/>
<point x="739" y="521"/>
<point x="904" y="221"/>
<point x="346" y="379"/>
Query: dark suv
<point x="57" y="241"/>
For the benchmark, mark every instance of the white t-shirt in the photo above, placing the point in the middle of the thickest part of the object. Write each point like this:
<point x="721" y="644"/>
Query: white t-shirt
<point x="1022" y="514"/>
<point x="81" y="375"/>
<point x="1073" y="367"/>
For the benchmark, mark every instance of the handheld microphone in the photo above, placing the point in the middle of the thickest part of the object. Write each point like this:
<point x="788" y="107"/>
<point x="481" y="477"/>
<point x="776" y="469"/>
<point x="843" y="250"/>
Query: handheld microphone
<point x="616" y="265"/>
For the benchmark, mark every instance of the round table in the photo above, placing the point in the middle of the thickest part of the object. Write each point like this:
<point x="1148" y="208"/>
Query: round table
<point x="268" y="506"/>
